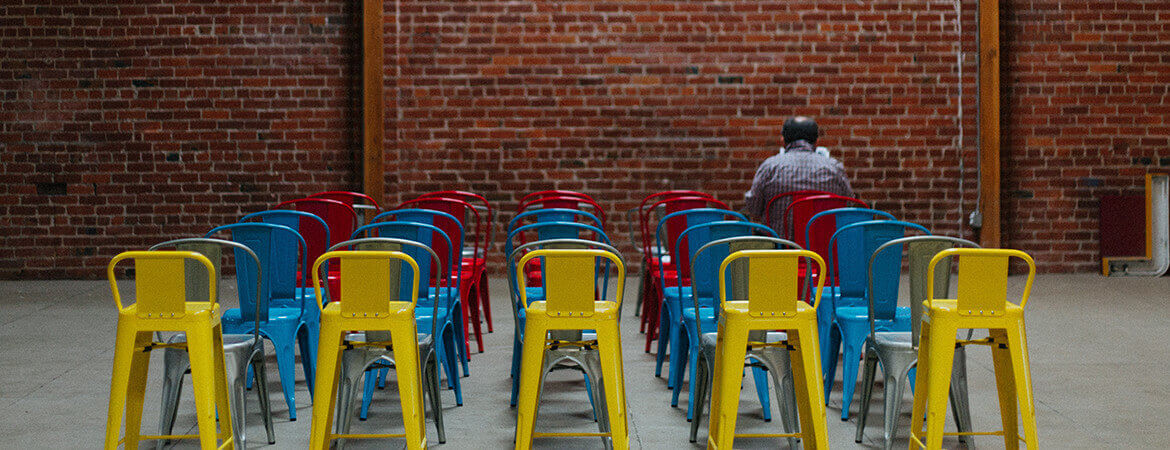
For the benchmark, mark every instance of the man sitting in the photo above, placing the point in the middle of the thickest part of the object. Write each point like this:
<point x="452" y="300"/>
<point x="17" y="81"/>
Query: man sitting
<point x="799" y="166"/>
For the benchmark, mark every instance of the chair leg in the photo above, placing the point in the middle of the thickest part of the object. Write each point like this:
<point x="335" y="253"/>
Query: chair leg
<point x="849" y="365"/>
<point x="328" y="370"/>
<point x="830" y="360"/>
<point x="760" y="378"/>
<point x="431" y="374"/>
<point x="286" y="368"/>
<point x="703" y="374"/>
<point x="729" y="358"/>
<point x="259" y="367"/>
<point x="678" y="364"/>
<point x="960" y="400"/>
<point x="867" y="380"/>
<point x="450" y="355"/>
<point x="210" y="385"/>
<point x="175" y="366"/>
<point x="532" y="360"/>
<point x="804" y="358"/>
<point x="942" y="346"/>
<point x="677" y="356"/>
<point x="663" y="341"/>
<point x="474" y="308"/>
<point x="788" y="405"/>
<point x="137" y="391"/>
<point x="485" y="299"/>
<point x="462" y="350"/>
<point x="373" y="377"/>
<point x="307" y="337"/>
<point x="1021" y="370"/>
<point x="894" y="389"/>
<point x="922" y="385"/>
<point x="613" y="381"/>
<point x="1005" y="383"/>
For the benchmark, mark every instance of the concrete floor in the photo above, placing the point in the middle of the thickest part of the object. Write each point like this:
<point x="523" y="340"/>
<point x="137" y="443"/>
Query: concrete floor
<point x="1097" y="346"/>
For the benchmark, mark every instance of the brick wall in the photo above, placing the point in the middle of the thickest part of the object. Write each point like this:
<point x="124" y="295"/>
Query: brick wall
<point x="125" y="123"/>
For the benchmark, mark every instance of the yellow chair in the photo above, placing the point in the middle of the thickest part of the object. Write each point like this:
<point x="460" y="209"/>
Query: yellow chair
<point x="981" y="303"/>
<point x="571" y="303"/>
<point x="369" y="286"/>
<point x="160" y="305"/>
<point x="772" y="304"/>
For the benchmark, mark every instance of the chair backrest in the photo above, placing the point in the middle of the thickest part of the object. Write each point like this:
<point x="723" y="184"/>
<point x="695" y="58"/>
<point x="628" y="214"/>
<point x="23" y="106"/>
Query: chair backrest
<point x="772" y="280"/>
<point x="312" y="228"/>
<point x="432" y="253"/>
<point x="833" y="220"/>
<point x="514" y="255"/>
<point x="340" y="217"/>
<point x="667" y="206"/>
<point x="919" y="251"/>
<point x="160" y="282"/>
<point x="778" y="204"/>
<point x="568" y="202"/>
<point x="680" y="221"/>
<point x="705" y="265"/>
<point x="449" y="249"/>
<point x="570" y="280"/>
<point x="555" y="230"/>
<point x="367" y="289"/>
<point x="280" y="272"/>
<point x="475" y="200"/>
<point x="853" y="245"/>
<point x="460" y="210"/>
<point x="800" y="212"/>
<point x="358" y="201"/>
<point x="194" y="272"/>
<point x="643" y="211"/>
<point x="554" y="215"/>
<point x="982" y="285"/>
<point x="397" y="268"/>
<point x="735" y="276"/>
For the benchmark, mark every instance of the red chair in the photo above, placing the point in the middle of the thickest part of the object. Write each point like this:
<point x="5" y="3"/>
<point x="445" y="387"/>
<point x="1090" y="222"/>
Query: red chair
<point x="341" y="220"/>
<point x="651" y="315"/>
<point x="563" y="201"/>
<point x="790" y="197"/>
<point x="649" y="260"/>
<point x="478" y="260"/>
<point x="358" y="201"/>
<point x="799" y="213"/>
<point x="470" y="283"/>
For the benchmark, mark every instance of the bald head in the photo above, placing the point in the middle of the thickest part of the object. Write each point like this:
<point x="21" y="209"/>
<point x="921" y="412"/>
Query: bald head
<point x="800" y="128"/>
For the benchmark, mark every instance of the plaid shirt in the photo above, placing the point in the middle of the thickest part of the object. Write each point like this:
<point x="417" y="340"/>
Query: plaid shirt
<point x="798" y="168"/>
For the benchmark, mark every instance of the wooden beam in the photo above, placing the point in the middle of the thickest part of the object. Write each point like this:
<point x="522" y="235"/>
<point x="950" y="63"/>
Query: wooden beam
<point x="373" y="102"/>
<point x="989" y="155"/>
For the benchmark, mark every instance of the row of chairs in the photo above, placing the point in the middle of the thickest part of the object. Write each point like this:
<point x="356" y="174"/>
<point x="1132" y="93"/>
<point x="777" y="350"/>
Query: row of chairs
<point x="272" y="253"/>
<point x="863" y="249"/>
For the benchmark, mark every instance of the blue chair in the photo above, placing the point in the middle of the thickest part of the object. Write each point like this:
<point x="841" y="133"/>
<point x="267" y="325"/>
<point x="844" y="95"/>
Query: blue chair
<point x="670" y="314"/>
<point x="841" y="218"/>
<point x="519" y="311"/>
<point x="697" y="308"/>
<point x="447" y="347"/>
<point x="854" y="244"/>
<point x="287" y="247"/>
<point x="283" y="325"/>
<point x="463" y="280"/>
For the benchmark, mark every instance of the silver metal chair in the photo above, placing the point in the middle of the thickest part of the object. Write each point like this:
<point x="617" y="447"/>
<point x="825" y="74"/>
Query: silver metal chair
<point x="577" y="350"/>
<point x="773" y="359"/>
<point x="898" y="351"/>
<point x="358" y="360"/>
<point x="240" y="350"/>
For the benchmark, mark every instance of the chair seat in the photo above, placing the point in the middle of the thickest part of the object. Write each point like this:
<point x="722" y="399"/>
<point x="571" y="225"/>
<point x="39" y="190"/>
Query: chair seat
<point x="232" y="316"/>
<point x="231" y="342"/>
<point x="861" y="314"/>
<point x="706" y="313"/>
<point x="894" y="339"/>
<point x="673" y="294"/>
